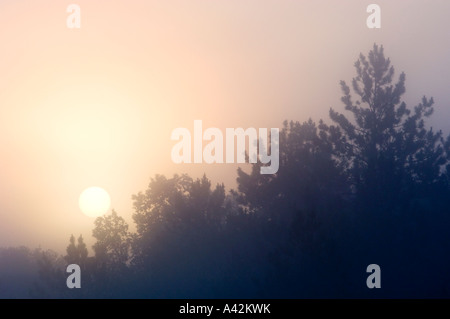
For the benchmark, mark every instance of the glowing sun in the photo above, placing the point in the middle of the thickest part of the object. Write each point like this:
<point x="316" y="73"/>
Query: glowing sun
<point x="94" y="201"/>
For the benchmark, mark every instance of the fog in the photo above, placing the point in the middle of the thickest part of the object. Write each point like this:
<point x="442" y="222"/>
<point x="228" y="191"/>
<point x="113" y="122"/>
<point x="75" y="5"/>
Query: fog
<point x="96" y="106"/>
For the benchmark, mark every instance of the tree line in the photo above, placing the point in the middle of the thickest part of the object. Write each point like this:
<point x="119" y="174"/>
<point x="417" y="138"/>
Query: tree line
<point x="371" y="187"/>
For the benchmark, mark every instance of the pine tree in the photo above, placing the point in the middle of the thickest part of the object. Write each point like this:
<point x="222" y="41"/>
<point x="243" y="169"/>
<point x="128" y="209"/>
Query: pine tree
<point x="72" y="251"/>
<point x="391" y="154"/>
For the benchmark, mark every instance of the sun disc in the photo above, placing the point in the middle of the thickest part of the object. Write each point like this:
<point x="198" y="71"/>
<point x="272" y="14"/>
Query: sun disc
<point x="94" y="201"/>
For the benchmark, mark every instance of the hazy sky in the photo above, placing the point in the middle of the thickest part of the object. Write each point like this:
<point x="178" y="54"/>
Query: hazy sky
<point x="95" y="106"/>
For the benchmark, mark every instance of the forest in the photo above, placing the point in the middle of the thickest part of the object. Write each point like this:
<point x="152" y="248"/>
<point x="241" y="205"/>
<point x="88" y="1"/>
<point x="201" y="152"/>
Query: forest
<point x="367" y="186"/>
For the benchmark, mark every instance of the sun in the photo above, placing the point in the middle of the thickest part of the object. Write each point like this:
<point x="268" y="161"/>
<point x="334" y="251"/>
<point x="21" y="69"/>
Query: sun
<point x="94" y="201"/>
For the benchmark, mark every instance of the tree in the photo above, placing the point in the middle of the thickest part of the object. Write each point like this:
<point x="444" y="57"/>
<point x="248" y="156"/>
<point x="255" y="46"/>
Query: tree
<point x="301" y="201"/>
<point x="309" y="178"/>
<point x="297" y="208"/>
<point x="391" y="155"/>
<point x="52" y="280"/>
<point x="113" y="242"/>
<point x="72" y="252"/>
<point x="76" y="254"/>
<point x="178" y="203"/>
<point x="180" y="241"/>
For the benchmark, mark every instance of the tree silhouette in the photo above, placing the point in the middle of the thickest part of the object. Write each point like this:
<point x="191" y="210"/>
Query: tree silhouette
<point x="113" y="242"/>
<point x="391" y="154"/>
<point x="309" y="176"/>
<point x="383" y="160"/>
<point x="51" y="282"/>
<point x="184" y="244"/>
<point x="76" y="254"/>
<point x="299" y="207"/>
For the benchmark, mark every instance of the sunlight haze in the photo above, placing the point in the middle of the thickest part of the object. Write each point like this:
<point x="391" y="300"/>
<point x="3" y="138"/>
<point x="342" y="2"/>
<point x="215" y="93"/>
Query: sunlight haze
<point x="97" y="105"/>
